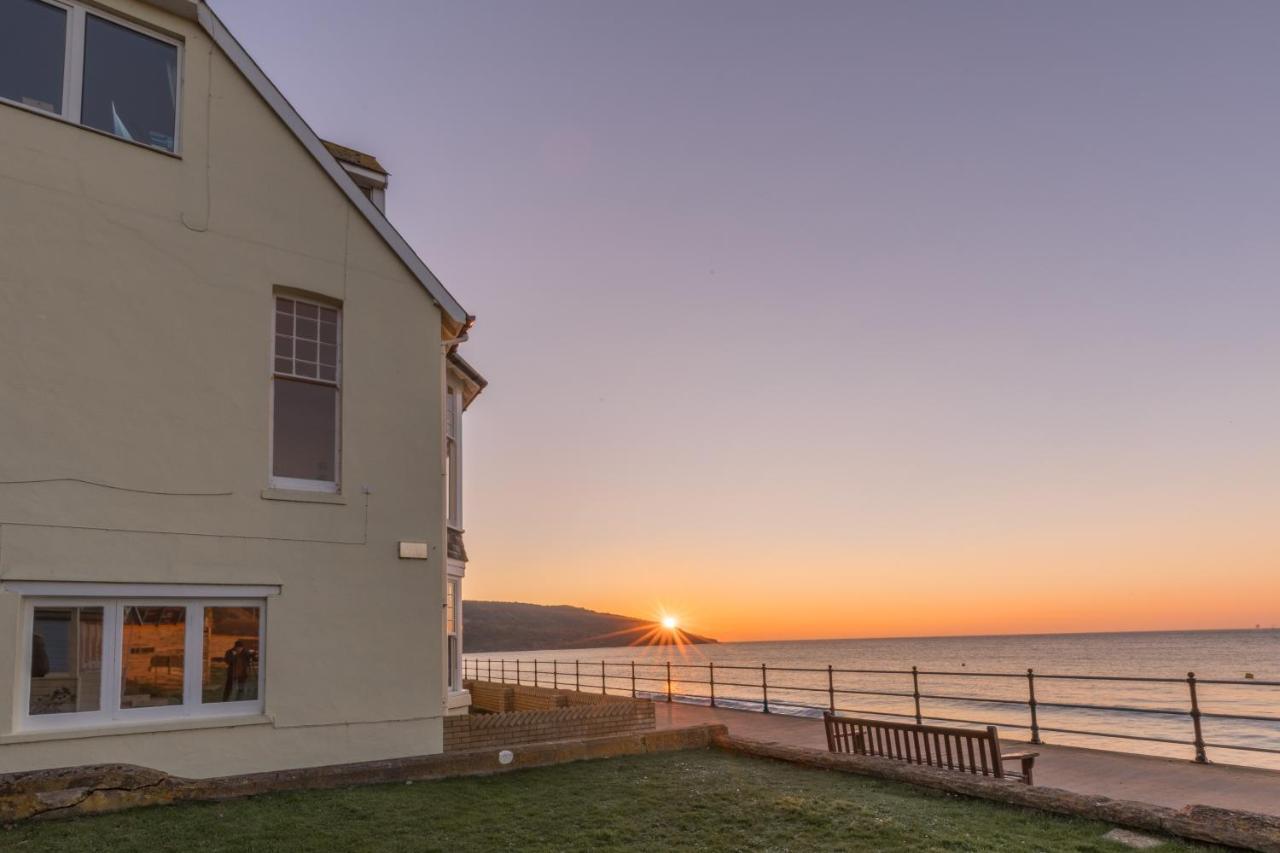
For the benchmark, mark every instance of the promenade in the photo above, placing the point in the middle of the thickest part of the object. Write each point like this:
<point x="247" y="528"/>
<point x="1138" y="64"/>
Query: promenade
<point x="1123" y="776"/>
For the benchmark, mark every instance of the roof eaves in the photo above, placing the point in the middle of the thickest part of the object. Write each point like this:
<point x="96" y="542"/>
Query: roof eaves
<point x="275" y="99"/>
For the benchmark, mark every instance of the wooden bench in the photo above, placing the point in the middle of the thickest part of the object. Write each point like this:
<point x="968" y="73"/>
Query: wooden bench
<point x="974" y="751"/>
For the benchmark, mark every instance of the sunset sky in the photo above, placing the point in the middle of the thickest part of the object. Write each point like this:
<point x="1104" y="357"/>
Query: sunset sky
<point x="842" y="319"/>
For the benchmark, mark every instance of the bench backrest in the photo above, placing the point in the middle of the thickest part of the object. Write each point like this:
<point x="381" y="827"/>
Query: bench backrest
<point x="967" y="750"/>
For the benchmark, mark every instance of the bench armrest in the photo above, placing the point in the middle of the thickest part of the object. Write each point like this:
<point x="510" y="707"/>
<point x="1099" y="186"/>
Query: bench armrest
<point x="1028" y="760"/>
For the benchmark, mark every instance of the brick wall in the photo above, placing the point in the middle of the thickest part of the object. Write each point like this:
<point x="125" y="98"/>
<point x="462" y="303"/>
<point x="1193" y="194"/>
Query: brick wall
<point x="597" y="717"/>
<point x="490" y="696"/>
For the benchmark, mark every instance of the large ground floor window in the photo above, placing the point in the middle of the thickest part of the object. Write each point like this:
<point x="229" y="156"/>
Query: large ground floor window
<point x="93" y="661"/>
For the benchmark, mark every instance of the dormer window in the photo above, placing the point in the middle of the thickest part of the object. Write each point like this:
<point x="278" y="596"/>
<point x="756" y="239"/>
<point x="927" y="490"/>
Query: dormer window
<point x="83" y="66"/>
<point x="364" y="170"/>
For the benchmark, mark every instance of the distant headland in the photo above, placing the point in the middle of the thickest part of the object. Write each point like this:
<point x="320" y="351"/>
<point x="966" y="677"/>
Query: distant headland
<point x="509" y="626"/>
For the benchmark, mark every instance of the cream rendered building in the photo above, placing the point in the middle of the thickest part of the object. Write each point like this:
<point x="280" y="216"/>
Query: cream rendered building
<point x="230" y="416"/>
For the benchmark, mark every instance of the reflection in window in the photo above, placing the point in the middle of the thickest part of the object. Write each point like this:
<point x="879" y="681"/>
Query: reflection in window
<point x="151" y="654"/>
<point x="33" y="44"/>
<point x="130" y="84"/>
<point x="66" y="660"/>
<point x="231" y="640"/>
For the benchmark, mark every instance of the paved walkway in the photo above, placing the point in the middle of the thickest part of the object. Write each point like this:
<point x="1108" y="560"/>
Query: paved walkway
<point x="1119" y="775"/>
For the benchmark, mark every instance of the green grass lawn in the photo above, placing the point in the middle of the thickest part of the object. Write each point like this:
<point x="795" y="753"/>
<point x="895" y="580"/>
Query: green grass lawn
<point x="701" y="800"/>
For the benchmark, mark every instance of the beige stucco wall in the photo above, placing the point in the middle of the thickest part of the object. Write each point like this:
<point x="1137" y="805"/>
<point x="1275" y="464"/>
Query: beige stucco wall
<point x="135" y="336"/>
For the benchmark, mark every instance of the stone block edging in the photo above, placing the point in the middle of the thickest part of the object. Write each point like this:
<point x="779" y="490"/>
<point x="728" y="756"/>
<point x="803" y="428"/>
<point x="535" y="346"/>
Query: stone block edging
<point x="1247" y="830"/>
<point x="97" y="789"/>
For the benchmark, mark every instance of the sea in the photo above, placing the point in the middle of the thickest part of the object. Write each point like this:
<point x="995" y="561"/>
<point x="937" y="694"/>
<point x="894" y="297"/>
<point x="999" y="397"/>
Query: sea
<point x="967" y="680"/>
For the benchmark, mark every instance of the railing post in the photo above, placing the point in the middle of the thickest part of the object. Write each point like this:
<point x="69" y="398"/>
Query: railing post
<point x="555" y="674"/>
<point x="577" y="678"/>
<point x="519" y="667"/>
<point x="602" y="690"/>
<point x="1201" y="758"/>
<point x="503" y="661"/>
<point x="490" y="669"/>
<point x="831" y="688"/>
<point x="1031" y="703"/>
<point x="633" y="679"/>
<point x="712" y="665"/>
<point x="915" y="692"/>
<point x="535" y="672"/>
<point x="668" y="681"/>
<point x="764" y="686"/>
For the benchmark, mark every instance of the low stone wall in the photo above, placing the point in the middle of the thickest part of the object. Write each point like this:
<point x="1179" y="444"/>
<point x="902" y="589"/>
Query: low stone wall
<point x="1247" y="830"/>
<point x="551" y="716"/>
<point x="79" y="791"/>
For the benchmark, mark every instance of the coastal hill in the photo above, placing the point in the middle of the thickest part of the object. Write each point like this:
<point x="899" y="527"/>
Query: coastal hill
<point x="508" y="626"/>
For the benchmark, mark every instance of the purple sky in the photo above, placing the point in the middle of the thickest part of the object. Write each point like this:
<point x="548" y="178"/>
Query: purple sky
<point x="779" y="297"/>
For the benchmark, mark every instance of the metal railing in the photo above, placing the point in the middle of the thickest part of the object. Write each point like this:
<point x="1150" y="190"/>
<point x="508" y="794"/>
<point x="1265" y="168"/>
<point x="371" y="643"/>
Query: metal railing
<point x="637" y="680"/>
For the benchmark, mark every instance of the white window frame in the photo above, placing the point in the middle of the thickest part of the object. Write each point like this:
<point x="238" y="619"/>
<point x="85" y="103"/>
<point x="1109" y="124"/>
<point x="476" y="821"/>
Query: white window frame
<point x="453" y="663"/>
<point x="294" y="483"/>
<point x="453" y="457"/>
<point x="109" y="712"/>
<point x="73" y="72"/>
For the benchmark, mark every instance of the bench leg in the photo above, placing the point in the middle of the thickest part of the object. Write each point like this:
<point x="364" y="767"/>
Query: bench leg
<point x="1028" y="765"/>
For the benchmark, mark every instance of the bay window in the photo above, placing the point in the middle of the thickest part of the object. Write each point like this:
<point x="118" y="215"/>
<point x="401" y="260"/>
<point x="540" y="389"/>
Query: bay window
<point x="306" y="395"/>
<point x="102" y="661"/>
<point x="453" y="457"/>
<point x="453" y="631"/>
<point x="82" y="65"/>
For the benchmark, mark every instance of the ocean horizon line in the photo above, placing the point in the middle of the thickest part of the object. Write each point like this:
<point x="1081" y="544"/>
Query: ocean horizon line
<point x="1254" y="630"/>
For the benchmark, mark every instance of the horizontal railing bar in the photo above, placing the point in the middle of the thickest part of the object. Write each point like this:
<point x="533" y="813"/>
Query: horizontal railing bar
<point x="874" y="713"/>
<point x="1140" y="679"/>
<point x="1266" y="749"/>
<point x="1022" y="702"/>
<point x="1239" y="682"/>
<point x="975" y="722"/>
<point x="1152" y="738"/>
<point x="871" y="693"/>
<point x="1117" y="708"/>
<point x="1225" y="716"/>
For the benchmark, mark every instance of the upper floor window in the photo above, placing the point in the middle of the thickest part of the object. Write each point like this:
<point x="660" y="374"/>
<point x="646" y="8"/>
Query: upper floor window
<point x="63" y="59"/>
<point x="306" y="395"/>
<point x="453" y="457"/>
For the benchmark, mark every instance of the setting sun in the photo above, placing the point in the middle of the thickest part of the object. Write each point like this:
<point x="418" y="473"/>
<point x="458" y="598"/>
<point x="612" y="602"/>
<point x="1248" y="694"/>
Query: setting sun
<point x="670" y="623"/>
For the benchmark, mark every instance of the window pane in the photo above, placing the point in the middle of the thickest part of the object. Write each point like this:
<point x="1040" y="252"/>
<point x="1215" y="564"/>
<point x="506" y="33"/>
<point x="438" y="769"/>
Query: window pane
<point x="151" y="655"/>
<point x="305" y="440"/>
<point x="66" y="660"/>
<point x="130" y="84"/>
<point x="33" y="44"/>
<point x="231" y="639"/>
<point x="451" y="479"/>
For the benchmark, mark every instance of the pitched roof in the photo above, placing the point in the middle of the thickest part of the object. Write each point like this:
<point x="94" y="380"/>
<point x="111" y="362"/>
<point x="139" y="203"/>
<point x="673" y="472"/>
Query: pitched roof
<point x="199" y="11"/>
